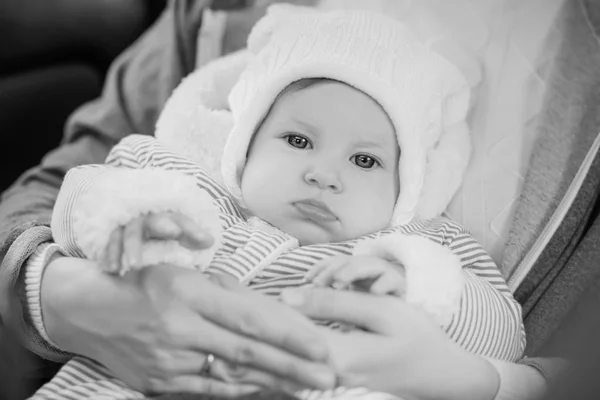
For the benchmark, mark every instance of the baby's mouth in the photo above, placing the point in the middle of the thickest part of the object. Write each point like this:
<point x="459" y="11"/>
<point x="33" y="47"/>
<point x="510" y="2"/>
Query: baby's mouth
<point x="315" y="211"/>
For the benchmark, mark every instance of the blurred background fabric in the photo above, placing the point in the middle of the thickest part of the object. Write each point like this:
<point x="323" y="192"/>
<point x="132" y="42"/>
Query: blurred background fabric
<point x="54" y="55"/>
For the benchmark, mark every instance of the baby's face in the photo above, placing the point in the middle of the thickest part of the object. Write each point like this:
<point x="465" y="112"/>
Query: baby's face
<point x="323" y="166"/>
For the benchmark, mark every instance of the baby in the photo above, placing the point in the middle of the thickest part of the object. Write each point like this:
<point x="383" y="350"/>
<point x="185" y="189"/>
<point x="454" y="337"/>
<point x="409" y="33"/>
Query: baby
<point x="348" y="141"/>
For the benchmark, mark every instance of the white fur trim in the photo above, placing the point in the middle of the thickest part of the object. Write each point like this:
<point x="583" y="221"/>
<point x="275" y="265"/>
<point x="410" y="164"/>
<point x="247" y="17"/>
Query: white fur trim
<point x="434" y="280"/>
<point x="195" y="121"/>
<point x="119" y="196"/>
<point x="446" y="165"/>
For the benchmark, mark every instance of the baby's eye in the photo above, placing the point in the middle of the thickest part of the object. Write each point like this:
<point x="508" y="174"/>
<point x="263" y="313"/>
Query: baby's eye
<point x="297" y="141"/>
<point x="365" y="161"/>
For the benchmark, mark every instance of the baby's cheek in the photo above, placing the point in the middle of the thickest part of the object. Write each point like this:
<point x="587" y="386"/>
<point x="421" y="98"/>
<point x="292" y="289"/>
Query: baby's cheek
<point x="379" y="214"/>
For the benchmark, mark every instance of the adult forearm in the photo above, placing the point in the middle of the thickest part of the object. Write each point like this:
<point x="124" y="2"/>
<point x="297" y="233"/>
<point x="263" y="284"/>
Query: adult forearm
<point x="26" y="202"/>
<point x="479" y="378"/>
<point x="458" y="375"/>
<point x="25" y="213"/>
<point x="32" y="196"/>
<point x="65" y="307"/>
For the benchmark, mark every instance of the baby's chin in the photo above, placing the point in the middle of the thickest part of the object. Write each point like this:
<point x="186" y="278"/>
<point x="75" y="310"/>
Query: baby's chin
<point x="309" y="233"/>
<point x="310" y="240"/>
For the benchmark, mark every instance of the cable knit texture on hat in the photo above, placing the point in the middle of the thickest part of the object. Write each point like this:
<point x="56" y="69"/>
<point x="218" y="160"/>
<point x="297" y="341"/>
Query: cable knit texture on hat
<point x="425" y="96"/>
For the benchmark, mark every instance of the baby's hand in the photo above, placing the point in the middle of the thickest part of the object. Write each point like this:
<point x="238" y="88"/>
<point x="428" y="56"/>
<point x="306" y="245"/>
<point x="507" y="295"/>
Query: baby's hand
<point x="124" y="249"/>
<point x="366" y="273"/>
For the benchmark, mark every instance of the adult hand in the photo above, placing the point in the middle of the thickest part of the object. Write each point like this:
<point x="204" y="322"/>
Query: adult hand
<point x="403" y="353"/>
<point x="154" y="327"/>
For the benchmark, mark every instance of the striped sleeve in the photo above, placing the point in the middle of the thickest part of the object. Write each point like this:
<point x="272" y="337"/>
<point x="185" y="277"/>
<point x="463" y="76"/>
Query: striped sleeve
<point x="82" y="378"/>
<point x="134" y="152"/>
<point x="489" y="321"/>
<point x="141" y="151"/>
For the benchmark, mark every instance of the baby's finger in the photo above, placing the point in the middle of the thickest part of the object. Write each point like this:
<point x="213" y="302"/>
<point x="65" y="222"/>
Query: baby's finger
<point x="359" y="269"/>
<point x="326" y="275"/>
<point x="390" y="282"/>
<point x="133" y="237"/>
<point x="191" y="235"/>
<point x="161" y="227"/>
<point x="114" y="251"/>
<point x="316" y="270"/>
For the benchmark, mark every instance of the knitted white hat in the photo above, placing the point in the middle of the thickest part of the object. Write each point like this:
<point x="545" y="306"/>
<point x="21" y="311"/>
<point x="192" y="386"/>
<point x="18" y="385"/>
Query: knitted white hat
<point x="424" y="95"/>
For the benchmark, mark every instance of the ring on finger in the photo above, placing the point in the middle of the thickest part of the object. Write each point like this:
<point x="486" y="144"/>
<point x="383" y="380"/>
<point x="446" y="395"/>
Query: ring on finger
<point x="207" y="365"/>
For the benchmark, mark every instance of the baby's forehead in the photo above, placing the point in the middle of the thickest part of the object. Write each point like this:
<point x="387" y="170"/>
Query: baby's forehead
<point x="311" y="101"/>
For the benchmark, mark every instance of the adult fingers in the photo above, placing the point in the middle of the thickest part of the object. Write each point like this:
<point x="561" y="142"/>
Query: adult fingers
<point x="261" y="317"/>
<point x="192" y="362"/>
<point x="204" y="385"/>
<point x="245" y="351"/>
<point x="235" y="373"/>
<point x="133" y="236"/>
<point x="272" y="324"/>
<point x="345" y="306"/>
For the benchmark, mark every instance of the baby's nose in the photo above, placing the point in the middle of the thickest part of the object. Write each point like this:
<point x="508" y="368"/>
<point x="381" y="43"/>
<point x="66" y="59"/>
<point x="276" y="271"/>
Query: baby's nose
<point x="324" y="180"/>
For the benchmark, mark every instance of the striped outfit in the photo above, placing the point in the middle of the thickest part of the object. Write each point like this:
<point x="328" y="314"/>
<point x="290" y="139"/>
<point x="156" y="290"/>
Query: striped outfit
<point x="487" y="323"/>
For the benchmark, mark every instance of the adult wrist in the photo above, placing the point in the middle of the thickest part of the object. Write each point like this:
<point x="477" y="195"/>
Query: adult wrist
<point x="453" y="375"/>
<point x="64" y="292"/>
<point x="477" y="379"/>
<point x="81" y="304"/>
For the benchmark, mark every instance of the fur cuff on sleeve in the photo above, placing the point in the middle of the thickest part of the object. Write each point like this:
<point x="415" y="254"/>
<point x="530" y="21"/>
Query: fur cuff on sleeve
<point x="118" y="197"/>
<point x="434" y="279"/>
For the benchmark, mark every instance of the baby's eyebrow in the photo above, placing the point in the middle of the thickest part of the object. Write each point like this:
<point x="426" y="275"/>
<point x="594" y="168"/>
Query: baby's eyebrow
<point x="307" y="125"/>
<point x="374" y="144"/>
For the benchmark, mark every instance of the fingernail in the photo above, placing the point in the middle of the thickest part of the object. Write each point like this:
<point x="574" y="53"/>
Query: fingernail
<point x="293" y="297"/>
